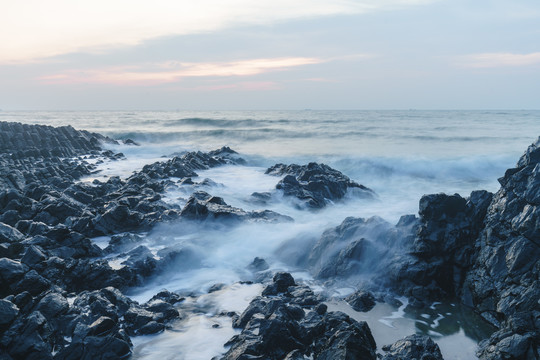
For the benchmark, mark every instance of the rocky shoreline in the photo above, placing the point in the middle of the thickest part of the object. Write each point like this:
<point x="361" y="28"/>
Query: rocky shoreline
<point x="62" y="300"/>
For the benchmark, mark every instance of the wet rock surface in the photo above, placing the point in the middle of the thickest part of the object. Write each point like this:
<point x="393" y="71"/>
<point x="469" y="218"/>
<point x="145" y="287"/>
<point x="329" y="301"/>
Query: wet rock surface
<point x="503" y="282"/>
<point x="483" y="250"/>
<point x="283" y="324"/>
<point x="359" y="246"/>
<point x="315" y="185"/>
<point x="203" y="206"/>
<point x="60" y="299"/>
<point x="413" y="347"/>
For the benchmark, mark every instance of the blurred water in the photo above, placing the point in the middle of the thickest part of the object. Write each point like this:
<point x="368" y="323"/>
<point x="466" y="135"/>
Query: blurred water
<point x="401" y="155"/>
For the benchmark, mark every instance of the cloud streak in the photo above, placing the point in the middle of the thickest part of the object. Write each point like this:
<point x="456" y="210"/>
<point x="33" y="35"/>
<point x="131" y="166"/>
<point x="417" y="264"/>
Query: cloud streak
<point x="172" y="71"/>
<point x="495" y="60"/>
<point x="32" y="30"/>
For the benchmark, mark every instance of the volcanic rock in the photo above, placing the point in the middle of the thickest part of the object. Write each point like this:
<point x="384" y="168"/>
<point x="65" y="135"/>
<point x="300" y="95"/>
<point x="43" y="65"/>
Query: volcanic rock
<point x="315" y="185"/>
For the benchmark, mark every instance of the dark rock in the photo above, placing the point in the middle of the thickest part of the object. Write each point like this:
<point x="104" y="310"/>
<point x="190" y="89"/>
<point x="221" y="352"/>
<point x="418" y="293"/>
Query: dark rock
<point x="52" y="305"/>
<point x="32" y="282"/>
<point x="280" y="284"/>
<point x="413" y="347"/>
<point x="353" y="249"/>
<point x="295" y="355"/>
<point x="137" y="318"/>
<point x="321" y="309"/>
<point x="344" y="338"/>
<point x="167" y="296"/>
<point x="184" y="166"/>
<point x="8" y="313"/>
<point x="273" y="328"/>
<point x="361" y="301"/>
<point x="9" y="234"/>
<point x="203" y="206"/>
<point x="302" y="295"/>
<point x="162" y="310"/>
<point x="102" y="326"/>
<point x="33" y="256"/>
<point x="123" y="242"/>
<point x="29" y="338"/>
<point x="130" y="142"/>
<point x="11" y="271"/>
<point x="511" y="346"/>
<point x="24" y="301"/>
<point x="97" y="347"/>
<point x="152" y="327"/>
<point x="118" y="218"/>
<point x="315" y="184"/>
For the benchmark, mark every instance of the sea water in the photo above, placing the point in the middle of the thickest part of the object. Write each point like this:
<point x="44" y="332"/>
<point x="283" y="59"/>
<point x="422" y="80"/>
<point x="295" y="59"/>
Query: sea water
<point x="401" y="155"/>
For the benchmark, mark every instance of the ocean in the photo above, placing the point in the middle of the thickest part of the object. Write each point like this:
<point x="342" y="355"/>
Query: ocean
<point x="400" y="155"/>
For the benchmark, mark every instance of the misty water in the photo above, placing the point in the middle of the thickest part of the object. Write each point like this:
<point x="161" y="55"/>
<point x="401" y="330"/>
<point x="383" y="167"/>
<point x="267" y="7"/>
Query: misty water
<point x="401" y="155"/>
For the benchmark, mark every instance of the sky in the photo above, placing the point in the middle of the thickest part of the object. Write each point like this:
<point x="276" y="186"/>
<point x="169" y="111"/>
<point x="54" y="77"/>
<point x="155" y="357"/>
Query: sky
<point x="245" y="54"/>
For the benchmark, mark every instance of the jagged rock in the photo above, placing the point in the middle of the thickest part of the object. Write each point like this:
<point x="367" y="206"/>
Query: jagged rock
<point x="52" y="305"/>
<point x="11" y="271"/>
<point x="202" y="206"/>
<point x="315" y="184"/>
<point x="29" y="338"/>
<point x="101" y="326"/>
<point x="10" y="234"/>
<point x="435" y="263"/>
<point x="8" y="313"/>
<point x="32" y="282"/>
<point x="344" y="338"/>
<point x="361" y="301"/>
<point x="503" y="281"/>
<point x="167" y="296"/>
<point x="280" y="284"/>
<point x="419" y="347"/>
<point x="358" y="247"/>
<point x="33" y="256"/>
<point x="184" y="166"/>
<point x="273" y="328"/>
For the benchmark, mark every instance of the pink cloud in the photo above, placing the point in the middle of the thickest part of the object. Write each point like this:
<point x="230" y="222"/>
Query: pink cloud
<point x="492" y="60"/>
<point x="255" y="86"/>
<point x="169" y="72"/>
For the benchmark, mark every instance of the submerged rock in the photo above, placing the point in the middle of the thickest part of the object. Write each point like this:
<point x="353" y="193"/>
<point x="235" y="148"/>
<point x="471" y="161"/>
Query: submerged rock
<point x="359" y="247"/>
<point x="315" y="184"/>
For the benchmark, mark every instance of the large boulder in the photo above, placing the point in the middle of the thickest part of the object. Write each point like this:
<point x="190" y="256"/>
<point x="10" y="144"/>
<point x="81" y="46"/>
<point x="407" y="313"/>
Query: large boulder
<point x="359" y="247"/>
<point x="503" y="281"/>
<point x="315" y="185"/>
<point x="283" y="324"/>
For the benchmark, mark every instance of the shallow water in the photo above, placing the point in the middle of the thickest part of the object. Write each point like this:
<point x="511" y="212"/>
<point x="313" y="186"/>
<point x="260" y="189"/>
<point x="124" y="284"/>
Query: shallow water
<point x="453" y="327"/>
<point x="401" y="155"/>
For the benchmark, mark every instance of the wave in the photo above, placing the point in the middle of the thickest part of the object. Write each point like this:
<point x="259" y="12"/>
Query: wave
<point x="217" y="135"/>
<point x="222" y="123"/>
<point x="470" y="169"/>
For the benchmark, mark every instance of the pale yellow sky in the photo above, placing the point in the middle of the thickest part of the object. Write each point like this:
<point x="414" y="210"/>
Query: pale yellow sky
<point x="31" y="30"/>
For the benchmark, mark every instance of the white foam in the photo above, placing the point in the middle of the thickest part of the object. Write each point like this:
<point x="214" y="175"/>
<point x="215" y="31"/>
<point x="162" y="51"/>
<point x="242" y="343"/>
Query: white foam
<point x="201" y="336"/>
